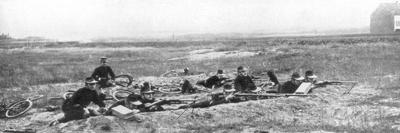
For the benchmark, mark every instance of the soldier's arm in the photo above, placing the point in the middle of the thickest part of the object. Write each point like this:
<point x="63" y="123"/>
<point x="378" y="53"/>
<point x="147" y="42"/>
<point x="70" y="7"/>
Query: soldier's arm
<point x="237" y="85"/>
<point x="94" y="74"/>
<point x="76" y="97"/>
<point x="98" y="101"/>
<point x="111" y="73"/>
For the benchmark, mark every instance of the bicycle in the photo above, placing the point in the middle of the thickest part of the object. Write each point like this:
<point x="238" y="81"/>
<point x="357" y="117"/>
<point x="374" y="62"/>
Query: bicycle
<point x="18" y="108"/>
<point x="123" y="80"/>
<point x="115" y="92"/>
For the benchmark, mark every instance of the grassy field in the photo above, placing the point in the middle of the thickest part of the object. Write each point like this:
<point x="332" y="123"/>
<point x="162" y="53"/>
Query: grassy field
<point x="32" y="64"/>
<point x="373" y="61"/>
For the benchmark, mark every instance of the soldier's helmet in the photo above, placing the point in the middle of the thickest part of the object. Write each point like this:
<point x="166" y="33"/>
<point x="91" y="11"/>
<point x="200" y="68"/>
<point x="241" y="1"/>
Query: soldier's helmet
<point x="103" y="59"/>
<point x="146" y="88"/>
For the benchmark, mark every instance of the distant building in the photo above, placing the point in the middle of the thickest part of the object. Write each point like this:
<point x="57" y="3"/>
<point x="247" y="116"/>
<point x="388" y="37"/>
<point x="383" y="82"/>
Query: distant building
<point x="386" y="19"/>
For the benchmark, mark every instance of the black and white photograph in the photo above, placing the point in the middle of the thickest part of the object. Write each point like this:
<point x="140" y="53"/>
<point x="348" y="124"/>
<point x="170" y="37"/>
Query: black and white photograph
<point x="200" y="66"/>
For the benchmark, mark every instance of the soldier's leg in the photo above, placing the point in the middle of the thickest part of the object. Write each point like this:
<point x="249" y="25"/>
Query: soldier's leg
<point x="73" y="114"/>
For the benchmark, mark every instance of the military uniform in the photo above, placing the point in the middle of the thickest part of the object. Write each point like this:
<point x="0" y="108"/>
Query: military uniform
<point x="102" y="74"/>
<point x="73" y="108"/>
<point x="289" y="87"/>
<point x="244" y="83"/>
<point x="215" y="99"/>
<point x="187" y="87"/>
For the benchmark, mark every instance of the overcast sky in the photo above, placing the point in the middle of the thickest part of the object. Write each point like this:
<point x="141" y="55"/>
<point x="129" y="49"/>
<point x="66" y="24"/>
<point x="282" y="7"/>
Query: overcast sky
<point x="84" y="19"/>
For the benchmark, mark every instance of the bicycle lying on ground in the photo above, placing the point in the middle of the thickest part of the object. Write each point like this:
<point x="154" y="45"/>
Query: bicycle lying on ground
<point x="18" y="108"/>
<point x="114" y="93"/>
<point x="117" y="91"/>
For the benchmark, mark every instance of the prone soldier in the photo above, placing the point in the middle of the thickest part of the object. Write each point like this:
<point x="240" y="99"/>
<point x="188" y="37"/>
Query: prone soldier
<point x="227" y="96"/>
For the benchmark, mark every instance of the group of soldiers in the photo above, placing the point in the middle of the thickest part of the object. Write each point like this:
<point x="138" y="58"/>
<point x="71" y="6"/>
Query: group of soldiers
<point x="74" y="107"/>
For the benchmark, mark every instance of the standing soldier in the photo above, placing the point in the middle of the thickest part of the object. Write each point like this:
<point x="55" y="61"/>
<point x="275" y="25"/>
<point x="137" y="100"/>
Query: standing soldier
<point x="73" y="107"/>
<point x="102" y="73"/>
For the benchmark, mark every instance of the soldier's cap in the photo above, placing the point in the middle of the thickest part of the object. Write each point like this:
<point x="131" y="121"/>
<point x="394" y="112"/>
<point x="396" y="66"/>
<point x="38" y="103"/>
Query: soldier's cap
<point x="137" y="102"/>
<point x="240" y="68"/>
<point x="219" y="71"/>
<point x="146" y="83"/>
<point x="90" y="80"/>
<point x="148" y="91"/>
<point x="310" y="74"/>
<point x="296" y="76"/>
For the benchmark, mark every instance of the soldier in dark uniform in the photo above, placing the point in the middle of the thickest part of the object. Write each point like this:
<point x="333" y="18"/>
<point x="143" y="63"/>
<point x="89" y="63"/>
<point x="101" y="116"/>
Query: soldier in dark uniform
<point x="103" y="73"/>
<point x="147" y="98"/>
<point x="215" y="81"/>
<point x="292" y="85"/>
<point x="243" y="82"/>
<point x="73" y="107"/>
<point x="187" y="87"/>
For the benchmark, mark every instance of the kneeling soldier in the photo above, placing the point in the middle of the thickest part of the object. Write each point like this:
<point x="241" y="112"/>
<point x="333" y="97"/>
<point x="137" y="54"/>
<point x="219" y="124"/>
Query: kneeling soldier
<point x="73" y="107"/>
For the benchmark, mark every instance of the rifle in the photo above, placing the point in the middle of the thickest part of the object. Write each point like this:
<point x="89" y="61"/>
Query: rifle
<point x="170" y="101"/>
<point x="272" y="95"/>
<point x="324" y="83"/>
<point x="332" y="82"/>
<point x="28" y="130"/>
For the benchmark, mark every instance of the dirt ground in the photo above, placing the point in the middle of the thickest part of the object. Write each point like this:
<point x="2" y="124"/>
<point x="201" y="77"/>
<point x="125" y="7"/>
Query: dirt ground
<point x="328" y="108"/>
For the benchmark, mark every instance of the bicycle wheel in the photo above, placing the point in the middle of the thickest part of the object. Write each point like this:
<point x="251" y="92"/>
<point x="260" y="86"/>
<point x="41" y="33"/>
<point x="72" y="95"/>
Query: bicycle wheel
<point x="120" y="94"/>
<point x="18" y="108"/>
<point x="123" y="80"/>
<point x="170" y="74"/>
